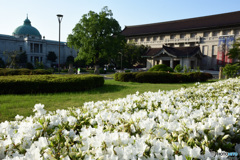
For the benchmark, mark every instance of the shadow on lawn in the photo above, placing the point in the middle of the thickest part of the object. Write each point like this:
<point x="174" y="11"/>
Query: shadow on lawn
<point x="107" y="88"/>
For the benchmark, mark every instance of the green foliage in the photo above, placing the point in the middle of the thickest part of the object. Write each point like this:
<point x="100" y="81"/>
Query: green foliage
<point x="51" y="57"/>
<point x="231" y="70"/>
<point x="162" y="77"/>
<point x="28" y="84"/>
<point x="131" y="55"/>
<point x="96" y="36"/>
<point x="39" y="65"/>
<point x="70" y="60"/>
<point x="29" y="65"/>
<point x="234" y="52"/>
<point x="2" y="64"/>
<point x="11" y="58"/>
<point x="178" y="68"/>
<point x="22" y="58"/>
<point x="23" y="71"/>
<point x="160" y="67"/>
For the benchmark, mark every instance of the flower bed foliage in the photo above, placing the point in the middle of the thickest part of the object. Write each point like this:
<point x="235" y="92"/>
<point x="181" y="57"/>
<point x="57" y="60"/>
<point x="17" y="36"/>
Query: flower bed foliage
<point x="23" y="71"/>
<point x="26" y="84"/>
<point x="179" y="124"/>
<point x="162" y="77"/>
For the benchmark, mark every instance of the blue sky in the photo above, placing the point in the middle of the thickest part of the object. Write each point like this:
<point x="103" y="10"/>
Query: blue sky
<point x="42" y="13"/>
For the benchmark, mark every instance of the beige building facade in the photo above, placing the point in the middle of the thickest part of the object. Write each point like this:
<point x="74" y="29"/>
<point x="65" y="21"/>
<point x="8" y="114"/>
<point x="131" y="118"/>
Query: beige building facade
<point x="203" y="32"/>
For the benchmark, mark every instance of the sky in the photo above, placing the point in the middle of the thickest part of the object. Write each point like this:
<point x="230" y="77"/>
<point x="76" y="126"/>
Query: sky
<point x="42" y="13"/>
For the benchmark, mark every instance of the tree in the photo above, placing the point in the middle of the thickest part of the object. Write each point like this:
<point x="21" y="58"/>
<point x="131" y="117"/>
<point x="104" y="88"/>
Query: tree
<point x="52" y="57"/>
<point x="22" y="58"/>
<point x="132" y="55"/>
<point x="96" y="36"/>
<point x="70" y="59"/>
<point x="234" y="52"/>
<point x="11" y="58"/>
<point x="2" y="64"/>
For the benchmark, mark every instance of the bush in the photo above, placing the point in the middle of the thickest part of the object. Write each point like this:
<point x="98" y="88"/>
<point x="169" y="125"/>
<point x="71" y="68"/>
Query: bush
<point x="23" y="71"/>
<point x="161" y="67"/>
<point x="162" y="77"/>
<point x="178" y="68"/>
<point x="28" y="84"/>
<point x="231" y="70"/>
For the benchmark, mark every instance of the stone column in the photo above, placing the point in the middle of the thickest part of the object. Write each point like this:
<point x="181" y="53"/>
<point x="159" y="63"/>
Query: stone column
<point x="160" y="61"/>
<point x="171" y="63"/>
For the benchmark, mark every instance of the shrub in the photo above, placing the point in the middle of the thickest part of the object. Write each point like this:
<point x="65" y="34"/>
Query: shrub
<point x="28" y="84"/>
<point x="178" y="68"/>
<point x="23" y="71"/>
<point x="231" y="70"/>
<point x="162" y="77"/>
<point x="127" y="71"/>
<point x="161" y="67"/>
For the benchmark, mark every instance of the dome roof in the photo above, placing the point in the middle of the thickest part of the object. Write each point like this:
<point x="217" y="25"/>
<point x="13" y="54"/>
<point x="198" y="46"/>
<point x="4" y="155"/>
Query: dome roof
<point x="27" y="30"/>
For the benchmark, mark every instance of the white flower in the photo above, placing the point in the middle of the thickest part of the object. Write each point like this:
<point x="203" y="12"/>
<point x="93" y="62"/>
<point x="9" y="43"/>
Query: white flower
<point x="18" y="118"/>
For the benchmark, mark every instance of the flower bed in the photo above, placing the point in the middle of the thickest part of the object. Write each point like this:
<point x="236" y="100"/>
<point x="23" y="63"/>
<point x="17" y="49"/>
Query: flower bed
<point x="190" y="123"/>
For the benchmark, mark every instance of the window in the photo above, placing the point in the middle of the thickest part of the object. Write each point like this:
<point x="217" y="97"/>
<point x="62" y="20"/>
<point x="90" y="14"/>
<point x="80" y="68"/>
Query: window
<point x="172" y="36"/>
<point x="31" y="47"/>
<point x="36" y="48"/>
<point x="226" y="32"/>
<point x="205" y="50"/>
<point x="206" y="34"/>
<point x="182" y="35"/>
<point x="20" y="49"/>
<point x="215" y="33"/>
<point x="193" y="35"/>
<point x="214" y="50"/>
<point x="142" y="39"/>
<point x="41" y="49"/>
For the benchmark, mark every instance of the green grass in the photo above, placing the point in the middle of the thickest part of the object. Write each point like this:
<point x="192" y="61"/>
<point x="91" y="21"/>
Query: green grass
<point x="11" y="105"/>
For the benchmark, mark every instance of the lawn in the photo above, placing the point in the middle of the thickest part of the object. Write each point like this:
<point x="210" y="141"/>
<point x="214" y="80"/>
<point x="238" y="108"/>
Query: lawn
<point x="11" y="105"/>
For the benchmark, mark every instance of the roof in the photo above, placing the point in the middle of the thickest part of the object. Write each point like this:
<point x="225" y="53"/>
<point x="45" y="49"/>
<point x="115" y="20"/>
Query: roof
<point x="152" y="51"/>
<point x="199" y="23"/>
<point x="27" y="29"/>
<point x="179" y="52"/>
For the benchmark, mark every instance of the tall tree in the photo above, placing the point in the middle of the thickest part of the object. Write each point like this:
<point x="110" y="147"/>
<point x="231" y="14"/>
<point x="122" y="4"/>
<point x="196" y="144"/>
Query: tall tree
<point x="51" y="57"/>
<point x="132" y="55"/>
<point x="96" y="36"/>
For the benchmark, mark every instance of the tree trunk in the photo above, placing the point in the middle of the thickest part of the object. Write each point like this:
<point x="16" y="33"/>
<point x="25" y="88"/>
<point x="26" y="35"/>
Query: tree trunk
<point x="96" y="70"/>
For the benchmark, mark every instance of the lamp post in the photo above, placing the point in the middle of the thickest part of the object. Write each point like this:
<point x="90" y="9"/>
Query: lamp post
<point x="59" y="16"/>
<point x="121" y="59"/>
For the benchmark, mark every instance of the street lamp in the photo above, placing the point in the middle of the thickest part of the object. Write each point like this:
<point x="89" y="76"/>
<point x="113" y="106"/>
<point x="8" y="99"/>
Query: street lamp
<point x="59" y="16"/>
<point x="121" y="59"/>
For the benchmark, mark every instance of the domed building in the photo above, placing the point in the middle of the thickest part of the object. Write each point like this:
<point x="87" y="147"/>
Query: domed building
<point x="27" y="30"/>
<point x="28" y="39"/>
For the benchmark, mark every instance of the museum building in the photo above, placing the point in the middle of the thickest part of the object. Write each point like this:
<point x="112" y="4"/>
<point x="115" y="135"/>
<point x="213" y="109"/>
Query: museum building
<point x="27" y="38"/>
<point x="196" y="42"/>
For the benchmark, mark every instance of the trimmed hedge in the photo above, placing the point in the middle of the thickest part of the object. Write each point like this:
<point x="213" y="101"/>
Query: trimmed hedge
<point x="162" y="77"/>
<point x="23" y="71"/>
<point x="27" y="84"/>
